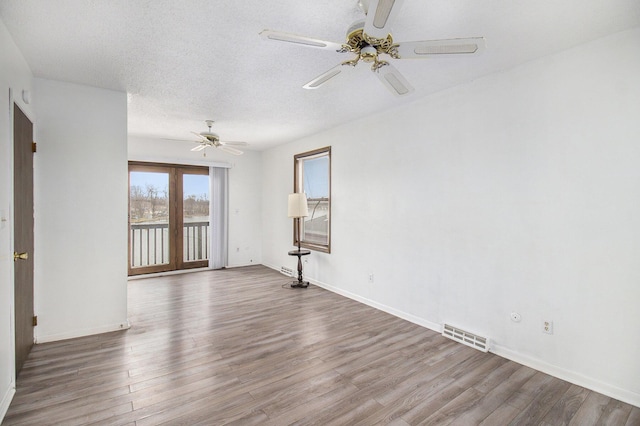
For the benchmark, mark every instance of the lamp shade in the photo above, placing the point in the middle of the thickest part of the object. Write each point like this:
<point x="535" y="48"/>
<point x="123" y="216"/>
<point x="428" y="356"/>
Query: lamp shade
<point x="298" y="205"/>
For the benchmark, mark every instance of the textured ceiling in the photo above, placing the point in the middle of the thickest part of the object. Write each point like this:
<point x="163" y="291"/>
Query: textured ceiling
<point x="184" y="61"/>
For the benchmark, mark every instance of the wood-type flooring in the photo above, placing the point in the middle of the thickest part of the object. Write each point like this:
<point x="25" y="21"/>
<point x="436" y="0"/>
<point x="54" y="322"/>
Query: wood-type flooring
<point x="235" y="347"/>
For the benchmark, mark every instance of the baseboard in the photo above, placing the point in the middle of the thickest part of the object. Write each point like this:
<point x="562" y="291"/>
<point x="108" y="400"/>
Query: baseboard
<point x="162" y="274"/>
<point x="84" y="332"/>
<point x="623" y="395"/>
<point x="243" y="265"/>
<point x="276" y="268"/>
<point x="6" y="400"/>
<point x="388" y="309"/>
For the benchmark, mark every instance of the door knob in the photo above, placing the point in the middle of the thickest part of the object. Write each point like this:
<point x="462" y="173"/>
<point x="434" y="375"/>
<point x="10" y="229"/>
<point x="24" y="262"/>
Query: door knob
<point x="21" y="256"/>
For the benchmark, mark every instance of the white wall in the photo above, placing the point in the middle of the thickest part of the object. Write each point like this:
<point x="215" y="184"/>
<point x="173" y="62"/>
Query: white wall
<point x="80" y="210"/>
<point x="245" y="173"/>
<point x="517" y="192"/>
<point x="15" y="76"/>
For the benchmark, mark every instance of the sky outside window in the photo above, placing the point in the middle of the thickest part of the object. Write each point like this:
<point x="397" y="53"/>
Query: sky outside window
<point x="316" y="177"/>
<point x="196" y="185"/>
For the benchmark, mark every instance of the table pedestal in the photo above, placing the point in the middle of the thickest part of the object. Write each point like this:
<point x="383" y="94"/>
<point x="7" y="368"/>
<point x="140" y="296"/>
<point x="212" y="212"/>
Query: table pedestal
<point x="299" y="254"/>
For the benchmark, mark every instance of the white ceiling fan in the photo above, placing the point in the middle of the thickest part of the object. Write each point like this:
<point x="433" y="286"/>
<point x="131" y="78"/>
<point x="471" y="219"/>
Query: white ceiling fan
<point x="210" y="139"/>
<point x="371" y="41"/>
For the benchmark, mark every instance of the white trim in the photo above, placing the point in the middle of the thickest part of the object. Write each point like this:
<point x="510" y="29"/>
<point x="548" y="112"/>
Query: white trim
<point x="244" y="265"/>
<point x="125" y="325"/>
<point x="11" y="389"/>
<point x="623" y="395"/>
<point x="6" y="400"/>
<point x="181" y="161"/>
<point x="409" y="317"/>
<point x="384" y="308"/>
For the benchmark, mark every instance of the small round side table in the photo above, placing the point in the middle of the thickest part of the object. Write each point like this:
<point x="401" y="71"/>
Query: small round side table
<point x="299" y="283"/>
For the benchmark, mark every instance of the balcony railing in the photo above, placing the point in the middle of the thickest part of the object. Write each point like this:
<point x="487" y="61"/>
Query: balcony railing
<point x="195" y="241"/>
<point x="315" y="227"/>
<point x="150" y="243"/>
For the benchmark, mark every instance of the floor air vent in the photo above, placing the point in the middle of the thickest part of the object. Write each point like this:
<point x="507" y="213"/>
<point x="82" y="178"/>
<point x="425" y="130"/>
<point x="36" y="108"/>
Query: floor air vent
<point x="286" y="271"/>
<point x="466" y="338"/>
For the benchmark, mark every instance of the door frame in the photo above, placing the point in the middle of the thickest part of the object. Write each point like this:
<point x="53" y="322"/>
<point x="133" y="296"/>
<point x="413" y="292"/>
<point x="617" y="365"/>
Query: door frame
<point x="176" y="219"/>
<point x="13" y="106"/>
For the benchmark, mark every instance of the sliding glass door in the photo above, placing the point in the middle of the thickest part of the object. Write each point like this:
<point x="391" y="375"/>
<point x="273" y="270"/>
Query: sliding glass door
<point x="168" y="217"/>
<point x="194" y="229"/>
<point x="151" y="246"/>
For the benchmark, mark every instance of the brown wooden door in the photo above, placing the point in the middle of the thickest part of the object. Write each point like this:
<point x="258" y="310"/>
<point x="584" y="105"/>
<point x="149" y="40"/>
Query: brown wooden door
<point x="23" y="234"/>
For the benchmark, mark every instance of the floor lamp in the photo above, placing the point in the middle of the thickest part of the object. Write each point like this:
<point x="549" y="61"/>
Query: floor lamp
<point x="297" y="210"/>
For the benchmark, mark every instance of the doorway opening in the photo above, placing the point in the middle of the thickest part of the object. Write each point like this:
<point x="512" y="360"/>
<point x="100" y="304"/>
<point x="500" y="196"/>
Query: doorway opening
<point x="169" y="226"/>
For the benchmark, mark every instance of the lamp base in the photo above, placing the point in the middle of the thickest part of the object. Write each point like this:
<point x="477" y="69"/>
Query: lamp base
<point x="300" y="284"/>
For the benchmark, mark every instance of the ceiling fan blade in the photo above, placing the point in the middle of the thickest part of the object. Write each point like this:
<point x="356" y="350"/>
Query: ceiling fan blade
<point x="230" y="150"/>
<point x="328" y="75"/>
<point x="298" y="39"/>
<point x="380" y="16"/>
<point x="199" y="135"/>
<point x="198" y="148"/>
<point x="180" y="140"/>
<point x="395" y="82"/>
<point x="234" y="143"/>
<point x="431" y="48"/>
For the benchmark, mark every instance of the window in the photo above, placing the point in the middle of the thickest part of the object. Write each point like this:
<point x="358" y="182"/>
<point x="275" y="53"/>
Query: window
<point x="312" y="175"/>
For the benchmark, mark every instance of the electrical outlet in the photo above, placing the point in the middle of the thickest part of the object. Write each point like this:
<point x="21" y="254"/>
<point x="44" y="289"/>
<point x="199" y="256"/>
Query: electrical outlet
<point x="547" y="326"/>
<point x="370" y="278"/>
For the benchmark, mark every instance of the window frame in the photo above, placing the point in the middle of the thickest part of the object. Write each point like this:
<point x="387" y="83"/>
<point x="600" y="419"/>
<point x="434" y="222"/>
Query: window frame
<point x="175" y="188"/>
<point x="298" y="186"/>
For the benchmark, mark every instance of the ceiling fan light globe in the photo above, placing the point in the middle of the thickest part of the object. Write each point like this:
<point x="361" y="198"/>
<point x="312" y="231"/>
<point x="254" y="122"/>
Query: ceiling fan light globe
<point x="368" y="54"/>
